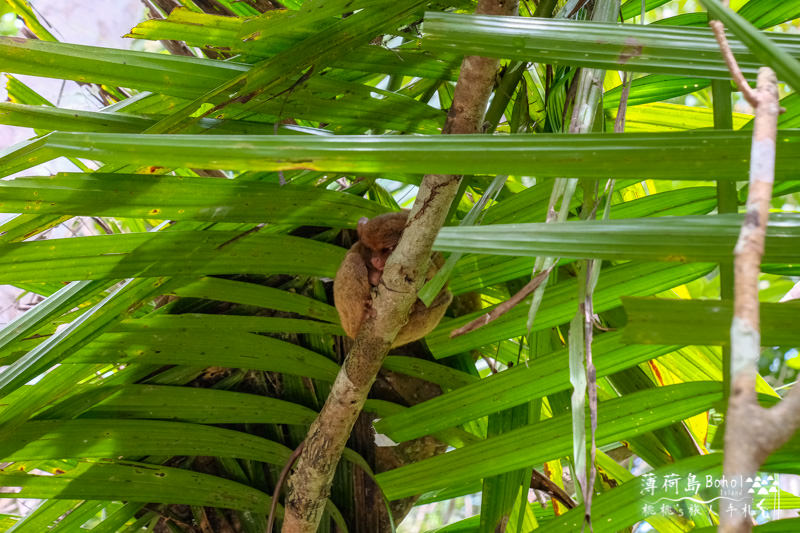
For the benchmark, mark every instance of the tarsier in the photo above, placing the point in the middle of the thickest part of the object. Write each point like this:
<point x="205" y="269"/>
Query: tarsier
<point x="361" y="271"/>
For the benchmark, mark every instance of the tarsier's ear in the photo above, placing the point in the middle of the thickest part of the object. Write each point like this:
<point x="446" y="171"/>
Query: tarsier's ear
<point x="362" y="222"/>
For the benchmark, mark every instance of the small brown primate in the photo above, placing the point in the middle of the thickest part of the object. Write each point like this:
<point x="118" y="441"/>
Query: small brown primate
<point x="361" y="272"/>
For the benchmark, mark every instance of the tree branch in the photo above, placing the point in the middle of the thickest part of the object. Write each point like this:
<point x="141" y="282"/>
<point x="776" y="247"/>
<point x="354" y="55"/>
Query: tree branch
<point x="403" y="275"/>
<point x="543" y="483"/>
<point x="504" y="307"/>
<point x="752" y="432"/>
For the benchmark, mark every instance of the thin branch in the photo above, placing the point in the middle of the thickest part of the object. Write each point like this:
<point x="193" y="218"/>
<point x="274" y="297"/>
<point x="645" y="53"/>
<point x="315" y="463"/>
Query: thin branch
<point x="504" y="307"/>
<point x="273" y="507"/>
<point x="619" y="122"/>
<point x="543" y="483"/>
<point x="489" y="363"/>
<point x="736" y="73"/>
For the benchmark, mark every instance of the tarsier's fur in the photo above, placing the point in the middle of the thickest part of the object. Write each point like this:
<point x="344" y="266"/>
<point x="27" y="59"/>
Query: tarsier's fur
<point x="360" y="273"/>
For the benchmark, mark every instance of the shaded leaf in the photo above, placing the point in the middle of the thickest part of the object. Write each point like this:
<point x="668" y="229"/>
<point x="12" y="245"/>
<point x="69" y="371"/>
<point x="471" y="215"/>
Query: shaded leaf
<point x="183" y="198"/>
<point x="207" y="406"/>
<point x="652" y="320"/>
<point x="620" y="418"/>
<point x="677" y="50"/>
<point x="136" y="482"/>
<point x="694" y="155"/>
<point x="685" y="239"/>
<point x="170" y="253"/>
<point x="537" y="378"/>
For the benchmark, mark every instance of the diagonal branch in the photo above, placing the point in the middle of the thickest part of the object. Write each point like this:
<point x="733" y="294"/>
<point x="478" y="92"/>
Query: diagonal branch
<point x="403" y="275"/>
<point x="733" y="67"/>
<point x="504" y="307"/>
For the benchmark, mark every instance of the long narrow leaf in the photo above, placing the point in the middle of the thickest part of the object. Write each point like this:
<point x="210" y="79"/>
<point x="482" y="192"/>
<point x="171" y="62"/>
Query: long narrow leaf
<point x="207" y="406"/>
<point x="104" y="438"/>
<point x="166" y="253"/>
<point x="206" y="348"/>
<point x="686" y="239"/>
<point x="652" y="320"/>
<point x="182" y="198"/>
<point x="240" y="292"/>
<point x="52" y="118"/>
<point x="136" y="482"/>
<point x="654" y="49"/>
<point x="692" y="155"/>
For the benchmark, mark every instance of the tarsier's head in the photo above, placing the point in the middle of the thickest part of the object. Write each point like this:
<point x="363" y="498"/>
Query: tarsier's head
<point x="381" y="235"/>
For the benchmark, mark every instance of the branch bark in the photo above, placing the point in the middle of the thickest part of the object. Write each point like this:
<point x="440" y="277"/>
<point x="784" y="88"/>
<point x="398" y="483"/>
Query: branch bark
<point x="752" y="432"/>
<point x="403" y="275"/>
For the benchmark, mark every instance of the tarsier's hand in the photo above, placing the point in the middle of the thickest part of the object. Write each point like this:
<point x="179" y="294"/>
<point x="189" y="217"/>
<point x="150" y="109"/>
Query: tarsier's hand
<point x="361" y="272"/>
